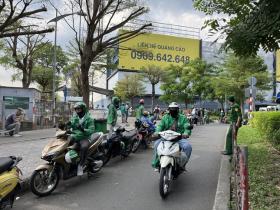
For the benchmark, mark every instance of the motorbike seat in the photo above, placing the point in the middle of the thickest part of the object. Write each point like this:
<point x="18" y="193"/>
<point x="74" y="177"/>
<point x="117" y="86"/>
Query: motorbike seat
<point x="5" y="164"/>
<point x="129" y="134"/>
<point x="94" y="137"/>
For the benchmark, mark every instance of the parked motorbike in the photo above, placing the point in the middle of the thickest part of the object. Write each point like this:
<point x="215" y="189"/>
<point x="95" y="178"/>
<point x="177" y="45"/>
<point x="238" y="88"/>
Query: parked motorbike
<point x="144" y="136"/>
<point x="172" y="160"/>
<point x="121" y="143"/>
<point x="45" y="178"/>
<point x="9" y="180"/>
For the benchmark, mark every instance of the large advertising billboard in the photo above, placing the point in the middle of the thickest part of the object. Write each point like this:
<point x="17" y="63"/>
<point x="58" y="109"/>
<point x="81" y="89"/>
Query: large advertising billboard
<point x="277" y="55"/>
<point x="159" y="50"/>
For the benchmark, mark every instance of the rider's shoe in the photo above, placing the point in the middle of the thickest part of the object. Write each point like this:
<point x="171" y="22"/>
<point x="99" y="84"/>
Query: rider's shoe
<point x="80" y="170"/>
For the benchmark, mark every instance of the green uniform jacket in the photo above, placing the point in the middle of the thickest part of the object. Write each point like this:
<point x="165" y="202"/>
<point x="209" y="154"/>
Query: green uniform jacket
<point x="235" y="112"/>
<point x="139" y="112"/>
<point x="112" y="115"/>
<point x="87" y="122"/>
<point x="167" y="121"/>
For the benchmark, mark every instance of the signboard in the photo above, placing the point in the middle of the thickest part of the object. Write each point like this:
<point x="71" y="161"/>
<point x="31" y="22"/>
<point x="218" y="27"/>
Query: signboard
<point x="13" y="102"/>
<point x="74" y="99"/>
<point x="159" y="50"/>
<point x="277" y="55"/>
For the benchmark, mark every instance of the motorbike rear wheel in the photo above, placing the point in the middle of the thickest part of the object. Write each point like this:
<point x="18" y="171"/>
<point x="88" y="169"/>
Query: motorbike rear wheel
<point x="40" y="183"/>
<point x="164" y="183"/>
<point x="136" y="143"/>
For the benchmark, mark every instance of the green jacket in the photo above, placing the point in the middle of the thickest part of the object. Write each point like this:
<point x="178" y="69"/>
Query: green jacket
<point x="87" y="122"/>
<point x="167" y="121"/>
<point x="139" y="112"/>
<point x="234" y="113"/>
<point x="112" y="115"/>
<point x="123" y="110"/>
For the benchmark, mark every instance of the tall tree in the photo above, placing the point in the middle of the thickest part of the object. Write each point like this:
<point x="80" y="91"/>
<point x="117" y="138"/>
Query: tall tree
<point x="154" y="74"/>
<point x="129" y="87"/>
<point x="248" y="24"/>
<point x="14" y="12"/>
<point x="234" y="75"/>
<point x="19" y="54"/>
<point x="100" y="33"/>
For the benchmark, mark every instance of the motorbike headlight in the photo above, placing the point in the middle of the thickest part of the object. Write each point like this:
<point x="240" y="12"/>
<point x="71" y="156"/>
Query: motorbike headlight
<point x="49" y="155"/>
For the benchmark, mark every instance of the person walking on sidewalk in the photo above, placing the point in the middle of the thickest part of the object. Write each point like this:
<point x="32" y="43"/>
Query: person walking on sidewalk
<point x="235" y="117"/>
<point x="112" y="115"/>
<point x="123" y="113"/>
<point x="13" y="121"/>
<point x="140" y="109"/>
<point x="82" y="125"/>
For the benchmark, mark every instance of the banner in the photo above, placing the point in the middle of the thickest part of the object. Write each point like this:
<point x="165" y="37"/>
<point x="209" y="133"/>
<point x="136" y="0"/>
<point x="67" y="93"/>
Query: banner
<point x="159" y="50"/>
<point x="13" y="102"/>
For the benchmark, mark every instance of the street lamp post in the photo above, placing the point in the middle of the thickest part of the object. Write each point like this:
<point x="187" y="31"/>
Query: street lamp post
<point x="56" y="19"/>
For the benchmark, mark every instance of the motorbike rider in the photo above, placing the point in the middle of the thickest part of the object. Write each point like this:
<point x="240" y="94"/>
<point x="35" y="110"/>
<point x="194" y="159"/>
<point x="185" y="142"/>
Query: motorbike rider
<point x="178" y="123"/>
<point x="112" y="115"/>
<point x="82" y="124"/>
<point x="145" y="119"/>
<point x="140" y="109"/>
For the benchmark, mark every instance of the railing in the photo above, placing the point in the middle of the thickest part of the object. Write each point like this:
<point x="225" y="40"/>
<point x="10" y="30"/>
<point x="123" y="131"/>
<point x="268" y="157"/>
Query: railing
<point x="241" y="179"/>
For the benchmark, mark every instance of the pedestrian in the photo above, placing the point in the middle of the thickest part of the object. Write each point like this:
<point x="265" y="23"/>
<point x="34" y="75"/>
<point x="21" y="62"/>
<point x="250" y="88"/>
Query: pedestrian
<point x="112" y="115"/>
<point x="156" y="112"/>
<point x="123" y="113"/>
<point x="140" y="109"/>
<point x="14" y="120"/>
<point x="126" y="112"/>
<point x="235" y="117"/>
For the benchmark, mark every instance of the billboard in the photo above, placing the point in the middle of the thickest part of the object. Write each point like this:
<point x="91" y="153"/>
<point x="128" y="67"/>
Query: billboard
<point x="277" y="55"/>
<point x="156" y="49"/>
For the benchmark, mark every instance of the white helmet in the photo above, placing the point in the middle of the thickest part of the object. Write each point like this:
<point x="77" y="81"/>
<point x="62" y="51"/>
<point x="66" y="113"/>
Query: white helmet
<point x="173" y="105"/>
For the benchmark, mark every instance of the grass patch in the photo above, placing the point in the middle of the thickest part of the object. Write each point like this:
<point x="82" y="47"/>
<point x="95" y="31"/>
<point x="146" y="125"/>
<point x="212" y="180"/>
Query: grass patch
<point x="264" y="168"/>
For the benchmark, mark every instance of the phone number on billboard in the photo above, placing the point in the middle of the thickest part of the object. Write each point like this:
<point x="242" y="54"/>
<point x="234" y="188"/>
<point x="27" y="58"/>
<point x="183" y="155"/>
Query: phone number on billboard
<point x="159" y="57"/>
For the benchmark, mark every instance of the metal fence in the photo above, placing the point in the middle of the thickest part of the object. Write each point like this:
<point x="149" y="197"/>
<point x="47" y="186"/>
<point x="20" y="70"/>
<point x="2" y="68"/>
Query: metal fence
<point x="240" y="173"/>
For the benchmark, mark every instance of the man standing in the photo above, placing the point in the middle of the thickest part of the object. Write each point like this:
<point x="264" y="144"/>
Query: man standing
<point x="235" y="117"/>
<point x="140" y="109"/>
<point x="126" y="112"/>
<point x="13" y="121"/>
<point x="112" y="115"/>
<point x="123" y="113"/>
<point x="157" y="111"/>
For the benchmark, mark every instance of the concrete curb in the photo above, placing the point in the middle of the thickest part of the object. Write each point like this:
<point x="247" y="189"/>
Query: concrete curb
<point x="222" y="196"/>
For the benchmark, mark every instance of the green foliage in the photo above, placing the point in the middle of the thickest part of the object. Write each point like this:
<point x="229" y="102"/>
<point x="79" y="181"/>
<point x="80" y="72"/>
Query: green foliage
<point x="232" y="76"/>
<point x="249" y="24"/>
<point x="263" y="170"/>
<point x="268" y="123"/>
<point x="129" y="87"/>
<point x="183" y="83"/>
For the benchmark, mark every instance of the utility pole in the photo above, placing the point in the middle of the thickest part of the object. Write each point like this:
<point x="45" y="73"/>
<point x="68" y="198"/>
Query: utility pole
<point x="54" y="69"/>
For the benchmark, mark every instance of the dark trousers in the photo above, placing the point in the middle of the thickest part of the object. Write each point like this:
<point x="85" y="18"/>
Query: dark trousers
<point x="83" y="146"/>
<point x="230" y="138"/>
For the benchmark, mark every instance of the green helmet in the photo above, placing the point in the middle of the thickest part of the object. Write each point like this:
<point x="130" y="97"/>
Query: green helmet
<point x="231" y="98"/>
<point x="116" y="101"/>
<point x="81" y="105"/>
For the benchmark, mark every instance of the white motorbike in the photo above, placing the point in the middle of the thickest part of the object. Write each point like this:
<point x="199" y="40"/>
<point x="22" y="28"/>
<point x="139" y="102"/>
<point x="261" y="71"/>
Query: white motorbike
<point x="172" y="160"/>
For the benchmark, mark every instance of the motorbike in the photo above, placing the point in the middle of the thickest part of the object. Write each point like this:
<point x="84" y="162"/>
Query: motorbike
<point x="144" y="136"/>
<point x="121" y="143"/>
<point x="9" y="180"/>
<point x="172" y="160"/>
<point x="45" y="178"/>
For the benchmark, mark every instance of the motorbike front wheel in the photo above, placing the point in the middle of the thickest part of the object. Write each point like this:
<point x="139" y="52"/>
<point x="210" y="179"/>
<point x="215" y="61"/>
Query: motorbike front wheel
<point x="42" y="184"/>
<point x="164" y="183"/>
<point x="136" y="143"/>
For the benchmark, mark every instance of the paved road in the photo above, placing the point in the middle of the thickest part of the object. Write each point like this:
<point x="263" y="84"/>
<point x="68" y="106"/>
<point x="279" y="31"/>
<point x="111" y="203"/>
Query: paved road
<point x="131" y="184"/>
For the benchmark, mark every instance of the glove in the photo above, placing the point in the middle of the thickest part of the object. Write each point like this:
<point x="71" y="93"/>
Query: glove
<point x="185" y="136"/>
<point x="81" y="128"/>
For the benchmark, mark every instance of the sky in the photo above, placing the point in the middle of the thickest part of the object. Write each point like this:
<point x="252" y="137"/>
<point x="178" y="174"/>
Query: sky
<point x="179" y="12"/>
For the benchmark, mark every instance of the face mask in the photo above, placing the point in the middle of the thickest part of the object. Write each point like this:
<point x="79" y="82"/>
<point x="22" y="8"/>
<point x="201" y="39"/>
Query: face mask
<point x="81" y="114"/>
<point x="174" y="113"/>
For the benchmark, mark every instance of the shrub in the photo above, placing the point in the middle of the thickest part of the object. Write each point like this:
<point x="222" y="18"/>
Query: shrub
<point x="268" y="123"/>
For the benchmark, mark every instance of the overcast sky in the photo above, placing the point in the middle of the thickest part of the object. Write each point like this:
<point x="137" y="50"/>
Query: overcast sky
<point x="179" y="12"/>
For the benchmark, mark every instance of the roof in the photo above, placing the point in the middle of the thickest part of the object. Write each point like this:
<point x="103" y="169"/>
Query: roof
<point x="19" y="88"/>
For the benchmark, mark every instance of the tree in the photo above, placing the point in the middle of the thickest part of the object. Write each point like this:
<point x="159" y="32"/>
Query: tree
<point x="234" y="73"/>
<point x="248" y="26"/>
<point x="14" y="12"/>
<point x="184" y="83"/>
<point x="129" y="87"/>
<point x="19" y="54"/>
<point x="100" y="30"/>
<point x="154" y="74"/>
